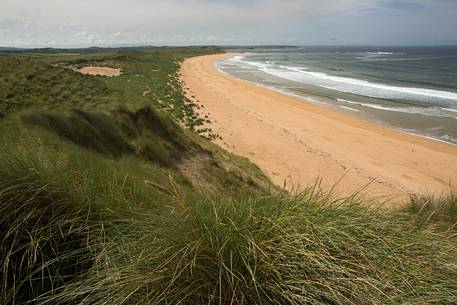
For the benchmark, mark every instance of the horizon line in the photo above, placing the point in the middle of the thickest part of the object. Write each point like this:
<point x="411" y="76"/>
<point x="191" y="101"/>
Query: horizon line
<point x="119" y="46"/>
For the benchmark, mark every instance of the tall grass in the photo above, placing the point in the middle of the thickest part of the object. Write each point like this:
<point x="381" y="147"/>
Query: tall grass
<point x="49" y="236"/>
<point x="441" y="210"/>
<point x="146" y="132"/>
<point x="58" y="211"/>
<point x="95" y="131"/>
<point x="29" y="83"/>
<point x="81" y="228"/>
<point x="308" y="249"/>
<point x="153" y="136"/>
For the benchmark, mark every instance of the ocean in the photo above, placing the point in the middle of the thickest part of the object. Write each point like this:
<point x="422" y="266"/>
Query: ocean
<point x="411" y="89"/>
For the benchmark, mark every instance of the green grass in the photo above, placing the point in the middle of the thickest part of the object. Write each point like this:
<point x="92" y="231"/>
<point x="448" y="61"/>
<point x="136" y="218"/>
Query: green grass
<point x="49" y="233"/>
<point x="150" y="134"/>
<point x="44" y="80"/>
<point x="94" y="131"/>
<point x="441" y="210"/>
<point x="106" y="199"/>
<point x="103" y="236"/>
<point x="28" y="83"/>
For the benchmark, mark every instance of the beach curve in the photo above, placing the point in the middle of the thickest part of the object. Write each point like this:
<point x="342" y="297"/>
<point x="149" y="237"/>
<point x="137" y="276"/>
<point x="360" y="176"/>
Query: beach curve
<point x="299" y="142"/>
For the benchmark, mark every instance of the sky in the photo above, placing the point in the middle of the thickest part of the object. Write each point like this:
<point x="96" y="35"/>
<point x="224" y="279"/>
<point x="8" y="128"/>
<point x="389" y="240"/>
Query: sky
<point x="85" y="23"/>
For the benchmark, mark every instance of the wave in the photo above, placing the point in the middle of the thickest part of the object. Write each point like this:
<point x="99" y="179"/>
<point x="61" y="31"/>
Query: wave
<point x="440" y="138"/>
<point x="293" y="68"/>
<point x="394" y="59"/>
<point x="435" y="102"/>
<point x="237" y="58"/>
<point x="349" y="108"/>
<point x="362" y="87"/>
<point x="346" y="101"/>
<point x="430" y="111"/>
<point x="384" y="53"/>
<point x="367" y="84"/>
<point x="353" y="85"/>
<point x="449" y="109"/>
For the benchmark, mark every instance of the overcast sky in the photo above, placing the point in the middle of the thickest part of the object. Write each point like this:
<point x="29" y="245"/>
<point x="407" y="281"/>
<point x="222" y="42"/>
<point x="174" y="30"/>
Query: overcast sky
<point x="79" y="23"/>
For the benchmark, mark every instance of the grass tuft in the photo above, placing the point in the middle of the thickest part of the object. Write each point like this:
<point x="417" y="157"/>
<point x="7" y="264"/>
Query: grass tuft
<point x="307" y="249"/>
<point x="434" y="209"/>
<point x="49" y="236"/>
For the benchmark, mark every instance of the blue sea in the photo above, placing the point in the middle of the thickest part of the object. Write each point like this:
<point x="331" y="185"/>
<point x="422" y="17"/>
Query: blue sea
<point x="411" y="89"/>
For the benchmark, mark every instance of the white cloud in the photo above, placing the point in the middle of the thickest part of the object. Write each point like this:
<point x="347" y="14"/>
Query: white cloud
<point x="107" y="22"/>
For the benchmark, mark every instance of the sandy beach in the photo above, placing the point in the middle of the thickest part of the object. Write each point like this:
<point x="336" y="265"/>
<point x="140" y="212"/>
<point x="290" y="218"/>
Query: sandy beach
<point x="299" y="142"/>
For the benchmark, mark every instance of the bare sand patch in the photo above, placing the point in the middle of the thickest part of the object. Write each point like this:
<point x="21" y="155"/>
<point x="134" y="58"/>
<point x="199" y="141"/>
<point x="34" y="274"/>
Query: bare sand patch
<point x="295" y="141"/>
<point x="101" y="71"/>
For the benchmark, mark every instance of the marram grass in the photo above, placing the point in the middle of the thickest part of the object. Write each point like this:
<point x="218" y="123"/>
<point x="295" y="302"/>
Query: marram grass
<point x="64" y="242"/>
<point x="439" y="210"/>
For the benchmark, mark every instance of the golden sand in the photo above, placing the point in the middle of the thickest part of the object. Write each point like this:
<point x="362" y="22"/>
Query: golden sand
<point x="298" y="142"/>
<point x="102" y="71"/>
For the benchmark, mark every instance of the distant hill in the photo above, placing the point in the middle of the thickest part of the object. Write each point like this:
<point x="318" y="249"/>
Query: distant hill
<point x="9" y="49"/>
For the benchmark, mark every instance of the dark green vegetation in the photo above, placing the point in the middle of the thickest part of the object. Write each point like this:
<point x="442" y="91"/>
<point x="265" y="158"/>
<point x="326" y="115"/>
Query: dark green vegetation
<point x="150" y="78"/>
<point x="106" y="199"/>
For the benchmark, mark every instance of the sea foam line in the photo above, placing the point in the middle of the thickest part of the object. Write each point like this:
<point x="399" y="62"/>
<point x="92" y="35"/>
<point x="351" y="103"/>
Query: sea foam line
<point x="332" y="82"/>
<point x="430" y="111"/>
<point x="309" y="99"/>
<point x="349" y="108"/>
<point x="358" y="82"/>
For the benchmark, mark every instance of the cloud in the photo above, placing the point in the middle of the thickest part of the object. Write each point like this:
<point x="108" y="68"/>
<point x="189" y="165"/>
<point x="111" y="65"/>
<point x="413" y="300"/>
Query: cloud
<point x="177" y="22"/>
<point x="404" y="5"/>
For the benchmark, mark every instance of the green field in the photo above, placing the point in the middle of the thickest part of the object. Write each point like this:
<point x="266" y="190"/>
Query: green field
<point x="111" y="192"/>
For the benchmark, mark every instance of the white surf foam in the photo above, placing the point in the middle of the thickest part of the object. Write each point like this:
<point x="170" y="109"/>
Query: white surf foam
<point x="352" y="85"/>
<point x="237" y="58"/>
<point x="443" y="138"/>
<point x="346" y="101"/>
<point x="449" y="109"/>
<point x="349" y="108"/>
<point x="287" y="73"/>
<point x="432" y="111"/>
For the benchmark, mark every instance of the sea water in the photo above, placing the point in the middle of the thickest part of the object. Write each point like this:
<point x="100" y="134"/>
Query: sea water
<point x="412" y="89"/>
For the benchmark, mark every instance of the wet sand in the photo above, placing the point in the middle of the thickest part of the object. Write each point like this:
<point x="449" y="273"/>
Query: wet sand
<point x="299" y="142"/>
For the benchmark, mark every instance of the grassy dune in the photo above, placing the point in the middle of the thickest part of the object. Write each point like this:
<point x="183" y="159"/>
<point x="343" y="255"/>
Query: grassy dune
<point x="114" y="196"/>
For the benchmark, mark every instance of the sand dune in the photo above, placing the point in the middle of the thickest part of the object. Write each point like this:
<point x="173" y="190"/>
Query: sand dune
<point x="102" y="71"/>
<point x="298" y="142"/>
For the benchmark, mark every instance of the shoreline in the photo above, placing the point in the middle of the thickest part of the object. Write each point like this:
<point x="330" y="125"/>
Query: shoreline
<point x="317" y="100"/>
<point x="328" y="106"/>
<point x="336" y="109"/>
<point x="298" y="141"/>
